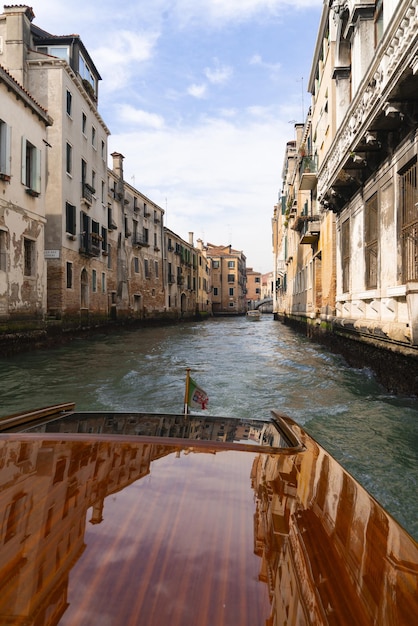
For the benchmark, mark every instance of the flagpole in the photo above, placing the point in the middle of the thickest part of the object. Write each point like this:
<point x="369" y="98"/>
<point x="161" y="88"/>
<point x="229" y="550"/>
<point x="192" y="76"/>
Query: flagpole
<point x="186" y="393"/>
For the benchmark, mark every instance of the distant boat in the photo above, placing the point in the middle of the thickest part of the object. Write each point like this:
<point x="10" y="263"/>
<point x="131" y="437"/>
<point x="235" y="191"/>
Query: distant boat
<point x="254" y="315"/>
<point x="153" y="518"/>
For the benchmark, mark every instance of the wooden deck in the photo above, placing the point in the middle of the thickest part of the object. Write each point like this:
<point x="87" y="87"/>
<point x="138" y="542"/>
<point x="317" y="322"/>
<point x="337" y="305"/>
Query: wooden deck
<point x="121" y="530"/>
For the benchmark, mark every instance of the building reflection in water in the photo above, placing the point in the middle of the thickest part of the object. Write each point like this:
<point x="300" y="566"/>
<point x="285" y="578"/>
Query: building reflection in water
<point x="329" y="554"/>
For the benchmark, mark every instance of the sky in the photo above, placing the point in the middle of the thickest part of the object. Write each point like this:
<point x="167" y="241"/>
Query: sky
<point x="200" y="97"/>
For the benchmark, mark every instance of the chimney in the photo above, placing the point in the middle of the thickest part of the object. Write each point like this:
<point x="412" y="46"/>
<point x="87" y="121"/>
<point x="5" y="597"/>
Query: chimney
<point x="17" y="41"/>
<point x="191" y="238"/>
<point x="118" y="164"/>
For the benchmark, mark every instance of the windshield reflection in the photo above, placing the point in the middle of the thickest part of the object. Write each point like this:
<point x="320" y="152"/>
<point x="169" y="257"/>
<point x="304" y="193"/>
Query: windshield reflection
<point x="325" y="551"/>
<point x="195" y="428"/>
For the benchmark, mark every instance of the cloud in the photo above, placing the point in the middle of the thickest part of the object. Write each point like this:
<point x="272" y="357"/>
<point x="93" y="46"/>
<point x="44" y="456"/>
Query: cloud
<point x="128" y="51"/>
<point x="128" y="114"/>
<point x="201" y="173"/>
<point x="220" y="74"/>
<point x="273" y="68"/>
<point x="197" y="91"/>
<point x="219" y="12"/>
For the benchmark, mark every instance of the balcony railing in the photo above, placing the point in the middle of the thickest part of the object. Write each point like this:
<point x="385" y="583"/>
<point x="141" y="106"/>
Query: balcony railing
<point x="140" y="241"/>
<point x="87" y="192"/>
<point x="90" y="244"/>
<point x="310" y="230"/>
<point x="308" y="173"/>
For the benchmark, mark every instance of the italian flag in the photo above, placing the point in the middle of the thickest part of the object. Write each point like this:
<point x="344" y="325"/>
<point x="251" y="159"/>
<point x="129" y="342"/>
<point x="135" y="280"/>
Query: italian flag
<point x="197" y="398"/>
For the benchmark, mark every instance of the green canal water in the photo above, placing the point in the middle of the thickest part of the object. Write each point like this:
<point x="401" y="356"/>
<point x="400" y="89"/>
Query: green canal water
<point x="247" y="368"/>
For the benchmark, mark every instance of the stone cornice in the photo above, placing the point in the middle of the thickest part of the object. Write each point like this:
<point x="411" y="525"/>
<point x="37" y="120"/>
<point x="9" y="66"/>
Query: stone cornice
<point x="397" y="52"/>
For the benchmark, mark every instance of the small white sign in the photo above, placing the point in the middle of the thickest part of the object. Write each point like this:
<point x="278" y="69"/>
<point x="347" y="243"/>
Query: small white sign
<point x="52" y="254"/>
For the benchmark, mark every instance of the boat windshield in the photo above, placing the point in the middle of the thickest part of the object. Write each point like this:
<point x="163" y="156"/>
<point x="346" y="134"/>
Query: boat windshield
<point x="231" y="432"/>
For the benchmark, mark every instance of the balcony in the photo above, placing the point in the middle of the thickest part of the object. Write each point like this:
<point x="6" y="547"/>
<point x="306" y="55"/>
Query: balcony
<point x="308" y="173"/>
<point x="140" y="241"/>
<point x="87" y="192"/>
<point x="90" y="244"/>
<point x="310" y="228"/>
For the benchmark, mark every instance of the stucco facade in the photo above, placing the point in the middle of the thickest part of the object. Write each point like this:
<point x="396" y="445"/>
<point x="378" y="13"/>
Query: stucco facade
<point x="23" y="167"/>
<point x="229" y="292"/>
<point x="187" y="277"/>
<point x="253" y="286"/>
<point x="362" y="130"/>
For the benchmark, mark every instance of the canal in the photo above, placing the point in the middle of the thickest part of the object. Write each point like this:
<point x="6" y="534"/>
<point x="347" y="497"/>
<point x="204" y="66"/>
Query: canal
<point x="246" y="368"/>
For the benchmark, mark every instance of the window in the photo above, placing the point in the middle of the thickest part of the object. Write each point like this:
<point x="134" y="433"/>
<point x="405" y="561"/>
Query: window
<point x="93" y="137"/>
<point x="69" y="275"/>
<point x="231" y="264"/>
<point x="345" y="254"/>
<point x="84" y="289"/>
<point x="103" y="150"/>
<point x="170" y="275"/>
<point x="59" y="471"/>
<point x="61" y="52"/>
<point x="83" y="123"/>
<point x="257" y="279"/>
<point x="102" y="193"/>
<point x="48" y="523"/>
<point x="215" y="264"/>
<point x="378" y="22"/>
<point x="231" y="291"/>
<point x="155" y="240"/>
<point x="136" y="265"/>
<point x="70" y="223"/>
<point x="31" y="166"/>
<point x="95" y="236"/>
<point x="69" y="159"/>
<point x="127" y="230"/>
<point x="110" y="223"/>
<point x="4" y="149"/>
<point x="94" y="281"/>
<point x="371" y="242"/>
<point x="232" y="304"/>
<point x="156" y="269"/>
<point x="15" y="513"/>
<point x="85" y="222"/>
<point x="231" y="278"/>
<point x="103" y="282"/>
<point x="104" y="239"/>
<point x="29" y="256"/>
<point x="69" y="103"/>
<point x="93" y="180"/>
<point x="3" y="251"/>
<point x="83" y="171"/>
<point x="85" y="72"/>
<point x="146" y="269"/>
<point x="215" y="291"/>
<point x="408" y="191"/>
